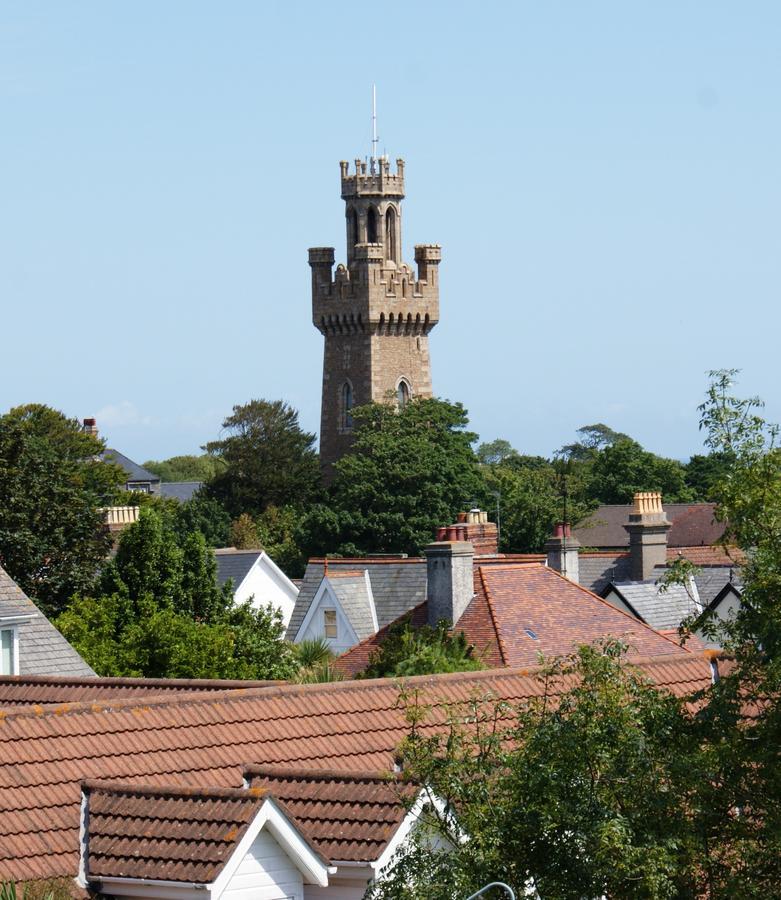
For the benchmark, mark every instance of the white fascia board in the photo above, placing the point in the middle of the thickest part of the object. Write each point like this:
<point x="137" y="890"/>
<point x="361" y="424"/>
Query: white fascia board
<point x="411" y="820"/>
<point x="151" y="888"/>
<point x="276" y="572"/>
<point x="372" y="607"/>
<point x="323" y="589"/>
<point x="314" y="869"/>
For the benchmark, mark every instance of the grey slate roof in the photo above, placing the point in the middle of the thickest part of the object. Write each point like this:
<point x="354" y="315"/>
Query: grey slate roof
<point x="353" y="596"/>
<point x="596" y="572"/>
<point x="235" y="564"/>
<point x="397" y="586"/>
<point x="712" y="579"/>
<point x="179" y="490"/>
<point x="133" y="470"/>
<point x="42" y="649"/>
<point x="662" y="610"/>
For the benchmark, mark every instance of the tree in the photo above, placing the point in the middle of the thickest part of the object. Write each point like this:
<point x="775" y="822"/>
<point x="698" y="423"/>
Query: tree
<point x="203" y="514"/>
<point x="494" y="452"/>
<point x="410" y="470"/>
<point x="184" y="468"/>
<point x="421" y="651"/>
<point x="577" y="794"/>
<point x="265" y="458"/>
<point x="52" y="488"/>
<point x="244" y="533"/>
<point x="160" y="613"/>
<point x="617" y="471"/>
<point x="704" y="474"/>
<point x="593" y="438"/>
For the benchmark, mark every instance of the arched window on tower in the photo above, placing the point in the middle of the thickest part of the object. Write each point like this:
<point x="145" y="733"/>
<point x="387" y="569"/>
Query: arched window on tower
<point x="390" y="234"/>
<point x="352" y="228"/>
<point x="347" y="405"/>
<point x="402" y="394"/>
<point x="371" y="226"/>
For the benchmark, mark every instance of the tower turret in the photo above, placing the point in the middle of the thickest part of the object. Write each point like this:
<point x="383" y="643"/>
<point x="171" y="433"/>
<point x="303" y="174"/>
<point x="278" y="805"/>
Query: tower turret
<point x="376" y="311"/>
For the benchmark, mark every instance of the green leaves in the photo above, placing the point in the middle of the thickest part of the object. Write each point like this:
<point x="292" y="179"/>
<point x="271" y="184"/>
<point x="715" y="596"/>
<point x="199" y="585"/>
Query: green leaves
<point x="421" y="651"/>
<point x="52" y="488"/>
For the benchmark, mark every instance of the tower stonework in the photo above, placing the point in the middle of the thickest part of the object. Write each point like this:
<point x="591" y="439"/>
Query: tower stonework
<point x="375" y="312"/>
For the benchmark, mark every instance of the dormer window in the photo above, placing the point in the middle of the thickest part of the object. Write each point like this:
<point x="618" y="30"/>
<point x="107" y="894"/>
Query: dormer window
<point x="329" y="623"/>
<point x="9" y="651"/>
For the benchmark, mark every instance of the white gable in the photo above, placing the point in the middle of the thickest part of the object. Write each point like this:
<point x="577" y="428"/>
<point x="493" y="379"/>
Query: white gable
<point x="264" y="873"/>
<point x="313" y="626"/>
<point x="265" y="584"/>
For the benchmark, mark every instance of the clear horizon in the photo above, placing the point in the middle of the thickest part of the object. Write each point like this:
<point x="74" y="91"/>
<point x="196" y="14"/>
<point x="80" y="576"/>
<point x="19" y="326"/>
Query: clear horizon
<point x="604" y="183"/>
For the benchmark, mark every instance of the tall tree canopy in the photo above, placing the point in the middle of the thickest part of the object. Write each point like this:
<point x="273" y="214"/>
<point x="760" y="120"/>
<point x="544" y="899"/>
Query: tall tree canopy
<point x="52" y="488"/>
<point x="410" y="470"/>
<point x="265" y="458"/>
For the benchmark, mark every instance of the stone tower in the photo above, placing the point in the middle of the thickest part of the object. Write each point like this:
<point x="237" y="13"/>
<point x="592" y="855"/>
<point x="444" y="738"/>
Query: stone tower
<point x="375" y="312"/>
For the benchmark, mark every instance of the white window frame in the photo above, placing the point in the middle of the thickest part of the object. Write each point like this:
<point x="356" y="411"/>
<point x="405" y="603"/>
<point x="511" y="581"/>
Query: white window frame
<point x="14" y="629"/>
<point x="327" y="624"/>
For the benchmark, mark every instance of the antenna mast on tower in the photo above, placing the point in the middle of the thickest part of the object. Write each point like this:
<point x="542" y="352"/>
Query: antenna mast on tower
<point x="374" y="129"/>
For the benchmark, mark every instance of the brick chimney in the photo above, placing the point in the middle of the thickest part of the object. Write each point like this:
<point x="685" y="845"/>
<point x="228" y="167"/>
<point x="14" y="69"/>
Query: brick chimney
<point x="89" y="426"/>
<point x="473" y="526"/>
<point x="562" y="550"/>
<point x="648" y="527"/>
<point x="450" y="585"/>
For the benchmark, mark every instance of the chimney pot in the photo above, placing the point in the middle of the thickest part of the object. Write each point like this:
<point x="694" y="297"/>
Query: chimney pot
<point x="461" y="517"/>
<point x="451" y="533"/>
<point x="442" y="533"/>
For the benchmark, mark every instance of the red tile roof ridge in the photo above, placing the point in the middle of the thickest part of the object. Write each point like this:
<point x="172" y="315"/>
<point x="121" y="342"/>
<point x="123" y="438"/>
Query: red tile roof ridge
<point x="492" y="613"/>
<point x="349" y="574"/>
<point x="284" y="688"/>
<point x="616" y="609"/>
<point x="172" y="790"/>
<point x="168" y="683"/>
<point x="259" y="770"/>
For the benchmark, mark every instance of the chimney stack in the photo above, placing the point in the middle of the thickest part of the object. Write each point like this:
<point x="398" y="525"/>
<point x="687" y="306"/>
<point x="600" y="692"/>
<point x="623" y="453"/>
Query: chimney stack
<point x="648" y="527"/>
<point x="562" y="550"/>
<point x="473" y="526"/>
<point x="89" y="426"/>
<point x="450" y="584"/>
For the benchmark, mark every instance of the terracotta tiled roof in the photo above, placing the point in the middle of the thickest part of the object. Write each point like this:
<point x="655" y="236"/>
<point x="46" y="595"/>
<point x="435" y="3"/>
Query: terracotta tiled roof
<point x="21" y="690"/>
<point x="708" y="556"/>
<point x="167" y="833"/>
<point x="520" y="610"/>
<point x="349" y="816"/>
<point x="196" y="739"/>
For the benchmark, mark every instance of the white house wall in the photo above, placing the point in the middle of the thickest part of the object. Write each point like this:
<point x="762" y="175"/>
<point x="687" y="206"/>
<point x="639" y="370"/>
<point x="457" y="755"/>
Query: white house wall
<point x="345" y="636"/>
<point x="263" y="587"/>
<point x="265" y="873"/>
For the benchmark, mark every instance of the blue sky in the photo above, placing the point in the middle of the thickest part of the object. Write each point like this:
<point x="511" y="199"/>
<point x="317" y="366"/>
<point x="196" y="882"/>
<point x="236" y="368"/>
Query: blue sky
<point x="603" y="179"/>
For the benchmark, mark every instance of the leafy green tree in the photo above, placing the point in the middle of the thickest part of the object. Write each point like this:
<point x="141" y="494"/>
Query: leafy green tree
<point x="244" y="533"/>
<point x="580" y="797"/>
<point x="617" y="471"/>
<point x="160" y="613"/>
<point x="184" y="468"/>
<point x="704" y="474"/>
<point x="203" y="514"/>
<point x="265" y="458"/>
<point x="593" y="438"/>
<point x="494" y="452"/>
<point x="278" y="532"/>
<point x="410" y="470"/>
<point x="421" y="651"/>
<point x="52" y="488"/>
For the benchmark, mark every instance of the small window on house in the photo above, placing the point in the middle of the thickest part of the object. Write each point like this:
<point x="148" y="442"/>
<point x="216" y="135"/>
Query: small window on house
<point x="329" y="623"/>
<point x="402" y="393"/>
<point x="8" y="660"/>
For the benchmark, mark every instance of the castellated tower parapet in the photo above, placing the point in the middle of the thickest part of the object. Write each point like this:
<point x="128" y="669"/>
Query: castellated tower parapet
<point x="375" y="311"/>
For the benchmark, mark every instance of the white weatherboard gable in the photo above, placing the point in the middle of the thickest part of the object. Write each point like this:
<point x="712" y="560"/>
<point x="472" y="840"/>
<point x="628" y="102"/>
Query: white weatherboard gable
<point x="312" y="627"/>
<point x="372" y="607"/>
<point x="270" y="818"/>
<point x="265" y="584"/>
